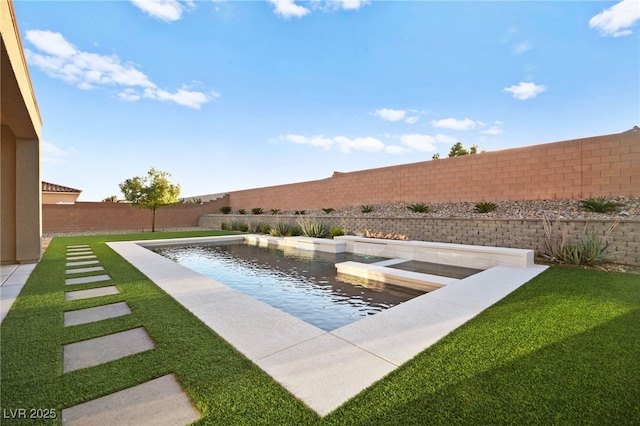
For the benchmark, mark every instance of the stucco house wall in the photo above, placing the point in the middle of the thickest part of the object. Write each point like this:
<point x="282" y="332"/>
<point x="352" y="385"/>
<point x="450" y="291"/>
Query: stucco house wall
<point x="20" y="130"/>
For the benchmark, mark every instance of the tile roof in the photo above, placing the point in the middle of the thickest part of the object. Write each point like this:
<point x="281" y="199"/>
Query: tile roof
<point x="52" y="187"/>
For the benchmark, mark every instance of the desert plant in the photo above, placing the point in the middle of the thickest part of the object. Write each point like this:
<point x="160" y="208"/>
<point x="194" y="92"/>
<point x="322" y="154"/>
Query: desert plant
<point x="335" y="231"/>
<point x="275" y="211"/>
<point x="600" y="205"/>
<point x="485" y="207"/>
<point x="242" y="211"/>
<point x="255" y="227"/>
<point x="266" y="228"/>
<point x="224" y="226"/>
<point x="328" y="210"/>
<point x="279" y="229"/>
<point x="300" y="212"/>
<point x="313" y="229"/>
<point x="591" y="248"/>
<point x="295" y="231"/>
<point x="418" y="208"/>
<point x="257" y="210"/>
<point x="366" y="208"/>
<point x="235" y="225"/>
<point x="225" y="209"/>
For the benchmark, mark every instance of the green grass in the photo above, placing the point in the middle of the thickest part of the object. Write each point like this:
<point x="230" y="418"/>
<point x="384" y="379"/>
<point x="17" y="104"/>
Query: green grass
<point x="562" y="349"/>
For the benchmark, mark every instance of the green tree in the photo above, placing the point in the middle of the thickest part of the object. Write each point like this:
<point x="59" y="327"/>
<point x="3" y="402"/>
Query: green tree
<point x="151" y="191"/>
<point x="111" y="199"/>
<point x="458" y="150"/>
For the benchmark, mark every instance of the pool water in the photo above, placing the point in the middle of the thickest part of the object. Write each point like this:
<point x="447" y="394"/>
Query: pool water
<point x="302" y="283"/>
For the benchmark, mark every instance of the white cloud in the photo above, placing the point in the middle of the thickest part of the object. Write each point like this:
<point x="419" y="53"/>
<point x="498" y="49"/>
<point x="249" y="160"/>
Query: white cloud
<point x="617" y="20"/>
<point x="352" y="4"/>
<point x="60" y="59"/>
<point x="165" y="10"/>
<point x="524" y="91"/>
<point x="288" y="8"/>
<point x="52" y="154"/>
<point x="419" y="142"/>
<point x="343" y="143"/>
<point x="393" y="115"/>
<point x="51" y="43"/>
<point x="389" y="114"/>
<point x="440" y="138"/>
<point x="522" y="47"/>
<point x="493" y="130"/>
<point x="454" y="124"/>
<point x="396" y="149"/>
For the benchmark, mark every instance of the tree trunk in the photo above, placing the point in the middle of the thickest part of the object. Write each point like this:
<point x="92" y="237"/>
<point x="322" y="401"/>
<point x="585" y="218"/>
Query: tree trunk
<point x="153" y="221"/>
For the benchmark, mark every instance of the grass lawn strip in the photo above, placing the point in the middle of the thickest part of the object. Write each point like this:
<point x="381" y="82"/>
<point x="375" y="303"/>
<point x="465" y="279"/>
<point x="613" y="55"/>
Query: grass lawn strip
<point x="562" y="349"/>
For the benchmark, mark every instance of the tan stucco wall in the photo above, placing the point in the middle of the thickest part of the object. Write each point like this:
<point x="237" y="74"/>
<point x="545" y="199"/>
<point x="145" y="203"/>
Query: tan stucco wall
<point x="20" y="130"/>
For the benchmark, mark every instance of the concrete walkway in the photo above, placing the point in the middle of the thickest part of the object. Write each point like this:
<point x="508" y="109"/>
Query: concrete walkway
<point x="13" y="278"/>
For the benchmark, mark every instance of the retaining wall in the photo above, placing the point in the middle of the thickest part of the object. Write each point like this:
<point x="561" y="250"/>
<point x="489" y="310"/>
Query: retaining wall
<point x="606" y="166"/>
<point x="514" y="233"/>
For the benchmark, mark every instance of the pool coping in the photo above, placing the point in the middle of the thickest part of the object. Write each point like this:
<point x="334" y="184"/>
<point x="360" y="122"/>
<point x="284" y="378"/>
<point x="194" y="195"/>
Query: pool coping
<point x="323" y="369"/>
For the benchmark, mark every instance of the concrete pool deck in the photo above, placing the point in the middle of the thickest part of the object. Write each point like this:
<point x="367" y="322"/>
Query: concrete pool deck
<point x="323" y="369"/>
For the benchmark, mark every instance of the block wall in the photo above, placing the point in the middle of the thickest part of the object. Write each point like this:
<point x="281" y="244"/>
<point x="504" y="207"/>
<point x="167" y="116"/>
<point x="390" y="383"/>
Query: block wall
<point x="591" y="167"/>
<point x="98" y="217"/>
<point x="624" y="240"/>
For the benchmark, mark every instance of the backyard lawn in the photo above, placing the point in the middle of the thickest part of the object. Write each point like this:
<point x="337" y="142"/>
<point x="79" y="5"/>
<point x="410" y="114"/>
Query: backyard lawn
<point x="562" y="349"/>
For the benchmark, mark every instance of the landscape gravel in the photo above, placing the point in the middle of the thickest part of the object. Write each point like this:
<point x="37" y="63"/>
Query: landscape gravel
<point x="536" y="209"/>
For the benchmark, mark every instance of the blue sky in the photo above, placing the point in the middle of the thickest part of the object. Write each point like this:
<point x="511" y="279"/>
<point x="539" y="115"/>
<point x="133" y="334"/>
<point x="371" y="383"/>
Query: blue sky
<point x="229" y="95"/>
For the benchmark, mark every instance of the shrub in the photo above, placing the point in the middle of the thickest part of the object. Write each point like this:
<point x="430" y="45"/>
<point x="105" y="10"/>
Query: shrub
<point x="256" y="210"/>
<point x="485" y="207"/>
<point x="225" y="209"/>
<point x="242" y="211"/>
<point x="279" y="229"/>
<point x="275" y="211"/>
<point x="328" y="210"/>
<point x="600" y="205"/>
<point x="224" y="226"/>
<point x="266" y="228"/>
<point x="366" y="208"/>
<point x="590" y="249"/>
<point x="235" y="225"/>
<point x="255" y="227"/>
<point x="300" y="212"/>
<point x="294" y="231"/>
<point x="418" y="208"/>
<point x="313" y="229"/>
<point x="335" y="231"/>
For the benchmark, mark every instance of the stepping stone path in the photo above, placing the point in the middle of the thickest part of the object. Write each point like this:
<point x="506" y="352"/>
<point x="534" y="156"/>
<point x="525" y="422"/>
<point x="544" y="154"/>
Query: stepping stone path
<point x="158" y="402"/>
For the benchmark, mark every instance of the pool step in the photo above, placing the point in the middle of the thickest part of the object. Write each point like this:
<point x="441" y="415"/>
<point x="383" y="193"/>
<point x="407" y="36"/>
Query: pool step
<point x="378" y="272"/>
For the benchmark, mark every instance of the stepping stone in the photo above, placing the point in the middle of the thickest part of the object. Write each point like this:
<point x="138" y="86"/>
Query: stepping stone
<point x="82" y="263"/>
<point x="75" y="249"/>
<point x="100" y="350"/>
<point x="78" y="246"/>
<point x="81" y="270"/>
<point x="84" y="280"/>
<point x="92" y="292"/>
<point x="157" y="402"/>
<point x="93" y="256"/>
<point x="99" y="313"/>
<point x="80" y="253"/>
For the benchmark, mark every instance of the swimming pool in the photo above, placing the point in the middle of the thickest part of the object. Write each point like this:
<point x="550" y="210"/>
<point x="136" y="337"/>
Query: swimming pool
<point x="301" y="283"/>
